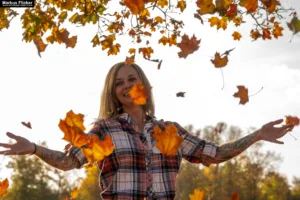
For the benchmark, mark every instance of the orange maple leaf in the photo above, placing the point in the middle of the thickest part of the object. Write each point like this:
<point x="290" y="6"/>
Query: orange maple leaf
<point x="167" y="141"/>
<point x="218" y="61"/>
<point x="266" y="34"/>
<point x="242" y="94"/>
<point x="236" y="35"/>
<point x="135" y="6"/>
<point x="129" y="60"/>
<point x="74" y="193"/>
<point x="181" y="5"/>
<point x="271" y="4"/>
<point x="3" y="187"/>
<point x="96" y="150"/>
<point x="292" y="120"/>
<point x="147" y="51"/>
<point x="28" y="124"/>
<point x="277" y="31"/>
<point x="206" y="6"/>
<point x="255" y="34"/>
<point x="197" y="195"/>
<point x="188" y="46"/>
<point x="73" y="129"/>
<point x="250" y="5"/>
<point x="139" y="93"/>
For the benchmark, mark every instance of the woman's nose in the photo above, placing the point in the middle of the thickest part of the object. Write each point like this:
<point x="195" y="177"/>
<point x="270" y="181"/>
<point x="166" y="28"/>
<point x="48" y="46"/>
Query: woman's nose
<point x="128" y="85"/>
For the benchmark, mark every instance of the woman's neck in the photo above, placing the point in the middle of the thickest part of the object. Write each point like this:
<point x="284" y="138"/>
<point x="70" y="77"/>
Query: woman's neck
<point x="137" y="114"/>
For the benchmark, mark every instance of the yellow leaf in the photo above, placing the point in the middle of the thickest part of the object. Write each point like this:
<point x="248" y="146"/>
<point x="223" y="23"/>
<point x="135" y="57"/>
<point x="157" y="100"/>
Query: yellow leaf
<point x="206" y="6"/>
<point x="95" y="41"/>
<point x="158" y="19"/>
<point x="132" y="50"/>
<point x="214" y="21"/>
<point x="181" y="5"/>
<point x="139" y="94"/>
<point x="198" y="195"/>
<point x="168" y="141"/>
<point x="74" y="193"/>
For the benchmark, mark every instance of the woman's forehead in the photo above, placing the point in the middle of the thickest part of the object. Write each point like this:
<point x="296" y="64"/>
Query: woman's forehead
<point x="126" y="71"/>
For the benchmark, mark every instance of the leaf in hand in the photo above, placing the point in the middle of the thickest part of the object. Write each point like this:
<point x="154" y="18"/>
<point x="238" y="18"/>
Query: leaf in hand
<point x="96" y="149"/>
<point x="73" y="129"/>
<point x="188" y="46"/>
<point x="292" y="120"/>
<point x="167" y="141"/>
<point x="28" y="124"/>
<point x="242" y="94"/>
<point x="3" y="187"/>
<point x="139" y="94"/>
<point x="198" y="195"/>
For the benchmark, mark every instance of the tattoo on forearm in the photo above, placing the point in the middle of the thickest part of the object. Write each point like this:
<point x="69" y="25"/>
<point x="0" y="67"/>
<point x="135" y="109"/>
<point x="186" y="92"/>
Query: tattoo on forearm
<point x="57" y="159"/>
<point x="230" y="150"/>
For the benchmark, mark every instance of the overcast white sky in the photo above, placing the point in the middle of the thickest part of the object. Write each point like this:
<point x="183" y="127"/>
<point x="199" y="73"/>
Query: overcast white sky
<point x="43" y="90"/>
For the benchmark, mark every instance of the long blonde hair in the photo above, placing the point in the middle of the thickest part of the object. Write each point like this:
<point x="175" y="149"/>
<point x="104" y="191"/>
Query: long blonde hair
<point x="110" y="106"/>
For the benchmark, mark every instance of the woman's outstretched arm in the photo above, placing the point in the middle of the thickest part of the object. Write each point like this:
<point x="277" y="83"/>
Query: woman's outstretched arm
<point x="267" y="133"/>
<point x="57" y="159"/>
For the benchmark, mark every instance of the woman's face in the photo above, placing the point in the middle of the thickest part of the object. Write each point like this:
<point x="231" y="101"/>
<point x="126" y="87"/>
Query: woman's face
<point x="126" y="78"/>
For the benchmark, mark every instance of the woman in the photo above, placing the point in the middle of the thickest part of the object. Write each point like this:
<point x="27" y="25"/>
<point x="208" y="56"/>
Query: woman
<point x="137" y="169"/>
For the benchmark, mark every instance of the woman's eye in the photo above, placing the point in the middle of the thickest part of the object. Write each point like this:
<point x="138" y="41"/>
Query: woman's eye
<point x="132" y="79"/>
<point x="119" y="83"/>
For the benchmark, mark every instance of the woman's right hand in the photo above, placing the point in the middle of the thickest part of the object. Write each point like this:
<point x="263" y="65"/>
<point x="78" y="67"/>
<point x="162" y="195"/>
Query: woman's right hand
<point x="21" y="147"/>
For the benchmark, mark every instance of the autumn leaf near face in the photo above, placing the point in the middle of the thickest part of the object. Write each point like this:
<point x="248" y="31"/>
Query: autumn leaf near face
<point x="219" y="61"/>
<point x="180" y="94"/>
<point x="236" y="35"/>
<point x="135" y="6"/>
<point x="188" y="46"/>
<point x="234" y="196"/>
<point x="242" y="94"/>
<point x="28" y="124"/>
<point x="198" y="195"/>
<point x="96" y="149"/>
<point x="74" y="193"/>
<point x="168" y="141"/>
<point x="3" y="187"/>
<point x="73" y="129"/>
<point x="40" y="45"/>
<point x="139" y="94"/>
<point x="294" y="25"/>
<point x="250" y="5"/>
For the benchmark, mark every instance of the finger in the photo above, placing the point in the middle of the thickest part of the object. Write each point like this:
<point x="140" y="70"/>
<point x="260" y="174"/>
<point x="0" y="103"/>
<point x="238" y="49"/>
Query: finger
<point x="9" y="134"/>
<point x="278" y="121"/>
<point x="6" y="153"/>
<point x="5" y="145"/>
<point x="277" y="142"/>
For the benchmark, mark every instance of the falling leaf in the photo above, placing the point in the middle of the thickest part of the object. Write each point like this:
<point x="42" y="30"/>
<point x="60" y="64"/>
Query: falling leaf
<point x="277" y="31"/>
<point x="198" y="16"/>
<point x="198" y="195"/>
<point x="73" y="129"/>
<point x="40" y="45"/>
<point x="129" y="60"/>
<point x="294" y="25"/>
<point x="74" y="193"/>
<point x="135" y="6"/>
<point x="236" y="35"/>
<point x="188" y="46"/>
<point x="266" y="34"/>
<point x="250" y="5"/>
<point x="132" y="50"/>
<point x="167" y="141"/>
<point x="219" y="23"/>
<point x="28" y="124"/>
<point x="292" y="120"/>
<point x="147" y="51"/>
<point x="3" y="187"/>
<point x="96" y="150"/>
<point x="139" y="94"/>
<point x="180" y="94"/>
<point x="159" y="64"/>
<point x="242" y="94"/>
<point x="219" y="61"/>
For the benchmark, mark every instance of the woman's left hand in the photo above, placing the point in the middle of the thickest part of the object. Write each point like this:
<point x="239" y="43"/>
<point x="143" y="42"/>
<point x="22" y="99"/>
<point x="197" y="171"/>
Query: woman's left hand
<point x="270" y="133"/>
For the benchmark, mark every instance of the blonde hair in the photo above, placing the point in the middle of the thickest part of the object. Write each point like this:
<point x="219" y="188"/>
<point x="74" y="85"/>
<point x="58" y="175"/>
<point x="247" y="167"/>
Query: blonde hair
<point x="110" y="106"/>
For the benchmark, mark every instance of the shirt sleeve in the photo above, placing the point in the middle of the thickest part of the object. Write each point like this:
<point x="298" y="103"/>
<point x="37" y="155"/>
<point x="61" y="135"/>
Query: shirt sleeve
<point x="194" y="149"/>
<point x="77" y="153"/>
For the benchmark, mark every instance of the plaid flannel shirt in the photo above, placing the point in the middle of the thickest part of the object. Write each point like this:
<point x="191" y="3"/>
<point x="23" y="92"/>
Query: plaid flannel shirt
<point x="136" y="163"/>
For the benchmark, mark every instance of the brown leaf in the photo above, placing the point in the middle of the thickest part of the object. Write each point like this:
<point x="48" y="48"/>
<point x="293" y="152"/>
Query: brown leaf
<point x="188" y="46"/>
<point x="180" y="94"/>
<point x="219" y="61"/>
<point x="242" y="94"/>
<point x="28" y="124"/>
<point x="40" y="45"/>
